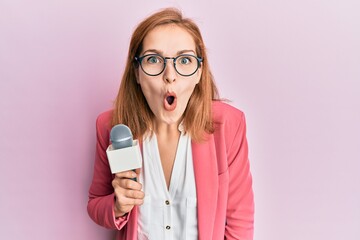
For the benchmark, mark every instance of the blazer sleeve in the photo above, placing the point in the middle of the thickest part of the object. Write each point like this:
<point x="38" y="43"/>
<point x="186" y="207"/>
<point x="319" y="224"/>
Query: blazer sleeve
<point x="101" y="193"/>
<point x="240" y="208"/>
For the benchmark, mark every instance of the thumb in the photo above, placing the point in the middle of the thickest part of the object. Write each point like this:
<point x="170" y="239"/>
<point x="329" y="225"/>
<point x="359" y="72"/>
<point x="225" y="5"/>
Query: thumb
<point x="137" y="171"/>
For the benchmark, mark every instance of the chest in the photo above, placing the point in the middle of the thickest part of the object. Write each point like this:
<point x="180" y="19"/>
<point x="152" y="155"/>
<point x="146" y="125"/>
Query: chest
<point x="168" y="206"/>
<point x="167" y="154"/>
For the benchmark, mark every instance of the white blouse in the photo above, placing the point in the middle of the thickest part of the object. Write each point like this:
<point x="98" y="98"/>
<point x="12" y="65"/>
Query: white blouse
<point x="168" y="214"/>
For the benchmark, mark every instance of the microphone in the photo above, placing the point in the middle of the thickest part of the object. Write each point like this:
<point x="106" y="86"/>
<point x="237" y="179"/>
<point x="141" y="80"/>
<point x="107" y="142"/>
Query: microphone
<point x="124" y="152"/>
<point x="121" y="136"/>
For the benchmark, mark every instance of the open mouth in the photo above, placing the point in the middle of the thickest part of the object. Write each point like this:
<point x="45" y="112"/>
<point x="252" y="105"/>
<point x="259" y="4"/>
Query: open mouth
<point x="170" y="101"/>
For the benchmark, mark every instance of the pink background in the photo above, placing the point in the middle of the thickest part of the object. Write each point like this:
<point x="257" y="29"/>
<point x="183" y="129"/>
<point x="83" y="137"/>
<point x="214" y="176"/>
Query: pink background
<point x="292" y="66"/>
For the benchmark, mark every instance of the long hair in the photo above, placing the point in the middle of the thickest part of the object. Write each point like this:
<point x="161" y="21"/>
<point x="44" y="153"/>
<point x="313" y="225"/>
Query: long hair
<point x="131" y="107"/>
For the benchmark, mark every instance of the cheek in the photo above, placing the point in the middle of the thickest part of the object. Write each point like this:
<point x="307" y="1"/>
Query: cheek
<point x="187" y="92"/>
<point x="148" y="87"/>
<point x="194" y="81"/>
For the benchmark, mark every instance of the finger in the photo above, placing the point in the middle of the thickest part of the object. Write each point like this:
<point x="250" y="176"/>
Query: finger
<point x="134" y="194"/>
<point x="126" y="183"/>
<point x="126" y="174"/>
<point x="130" y="184"/>
<point x="121" y="192"/>
<point x="126" y="202"/>
<point x="138" y="171"/>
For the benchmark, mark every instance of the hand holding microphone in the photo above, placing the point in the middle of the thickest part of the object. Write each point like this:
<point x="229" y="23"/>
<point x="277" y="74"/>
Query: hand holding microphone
<point x="124" y="156"/>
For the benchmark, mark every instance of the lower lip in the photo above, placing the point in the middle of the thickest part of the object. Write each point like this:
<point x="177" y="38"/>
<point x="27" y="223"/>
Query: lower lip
<point x="169" y="107"/>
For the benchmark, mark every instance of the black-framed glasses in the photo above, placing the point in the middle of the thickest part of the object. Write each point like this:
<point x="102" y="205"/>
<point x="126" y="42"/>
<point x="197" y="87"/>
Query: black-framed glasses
<point x="184" y="64"/>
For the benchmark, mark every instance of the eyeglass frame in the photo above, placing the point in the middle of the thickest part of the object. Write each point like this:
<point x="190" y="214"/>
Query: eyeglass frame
<point x="199" y="61"/>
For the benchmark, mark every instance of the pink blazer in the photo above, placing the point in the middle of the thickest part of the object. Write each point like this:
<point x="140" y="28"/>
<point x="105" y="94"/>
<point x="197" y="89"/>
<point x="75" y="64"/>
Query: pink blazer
<point x="222" y="174"/>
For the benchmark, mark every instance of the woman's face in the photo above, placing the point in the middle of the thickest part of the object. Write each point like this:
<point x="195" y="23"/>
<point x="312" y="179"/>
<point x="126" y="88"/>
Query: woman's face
<point x="168" y="93"/>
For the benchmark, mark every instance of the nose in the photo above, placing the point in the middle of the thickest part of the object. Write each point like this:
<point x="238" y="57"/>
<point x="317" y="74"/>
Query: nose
<point x="169" y="72"/>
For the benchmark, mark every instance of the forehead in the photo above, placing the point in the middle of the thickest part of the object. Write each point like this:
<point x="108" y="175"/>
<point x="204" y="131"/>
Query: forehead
<point x="168" y="40"/>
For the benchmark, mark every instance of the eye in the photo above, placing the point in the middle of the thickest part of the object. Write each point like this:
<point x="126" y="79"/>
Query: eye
<point x="185" y="60"/>
<point x="153" y="59"/>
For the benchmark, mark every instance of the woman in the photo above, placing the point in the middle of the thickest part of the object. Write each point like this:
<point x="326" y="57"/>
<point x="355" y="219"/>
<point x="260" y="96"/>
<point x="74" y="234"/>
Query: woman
<point x="195" y="182"/>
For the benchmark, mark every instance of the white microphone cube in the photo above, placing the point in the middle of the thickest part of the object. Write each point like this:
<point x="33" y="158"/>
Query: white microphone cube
<point x="124" y="159"/>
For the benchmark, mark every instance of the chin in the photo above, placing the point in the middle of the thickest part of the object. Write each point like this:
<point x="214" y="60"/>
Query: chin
<point x="171" y="120"/>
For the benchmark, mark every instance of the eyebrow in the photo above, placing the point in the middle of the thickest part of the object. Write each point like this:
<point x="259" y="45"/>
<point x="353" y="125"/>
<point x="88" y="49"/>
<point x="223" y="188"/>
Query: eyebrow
<point x="161" y="52"/>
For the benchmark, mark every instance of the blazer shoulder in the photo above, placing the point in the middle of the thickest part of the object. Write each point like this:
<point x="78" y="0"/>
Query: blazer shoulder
<point x="103" y="124"/>
<point x="105" y="117"/>
<point x="103" y="120"/>
<point x="225" y="113"/>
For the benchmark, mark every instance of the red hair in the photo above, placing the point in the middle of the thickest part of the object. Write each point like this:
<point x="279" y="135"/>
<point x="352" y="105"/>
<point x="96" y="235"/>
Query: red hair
<point x="131" y="107"/>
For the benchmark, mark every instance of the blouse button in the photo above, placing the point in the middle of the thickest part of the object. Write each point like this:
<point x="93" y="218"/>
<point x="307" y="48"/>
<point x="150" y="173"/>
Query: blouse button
<point x="167" y="202"/>
<point x="168" y="227"/>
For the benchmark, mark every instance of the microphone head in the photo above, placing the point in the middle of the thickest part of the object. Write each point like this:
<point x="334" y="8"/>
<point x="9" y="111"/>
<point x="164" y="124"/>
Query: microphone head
<point x="121" y="136"/>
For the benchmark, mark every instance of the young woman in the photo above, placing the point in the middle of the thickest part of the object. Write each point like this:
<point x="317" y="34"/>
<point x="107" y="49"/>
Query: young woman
<point x="195" y="182"/>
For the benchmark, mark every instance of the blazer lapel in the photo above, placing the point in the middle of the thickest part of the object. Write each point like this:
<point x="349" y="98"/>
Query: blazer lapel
<point x="206" y="177"/>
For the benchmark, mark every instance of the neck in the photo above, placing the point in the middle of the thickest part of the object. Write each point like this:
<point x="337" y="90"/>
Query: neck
<point x="166" y="129"/>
